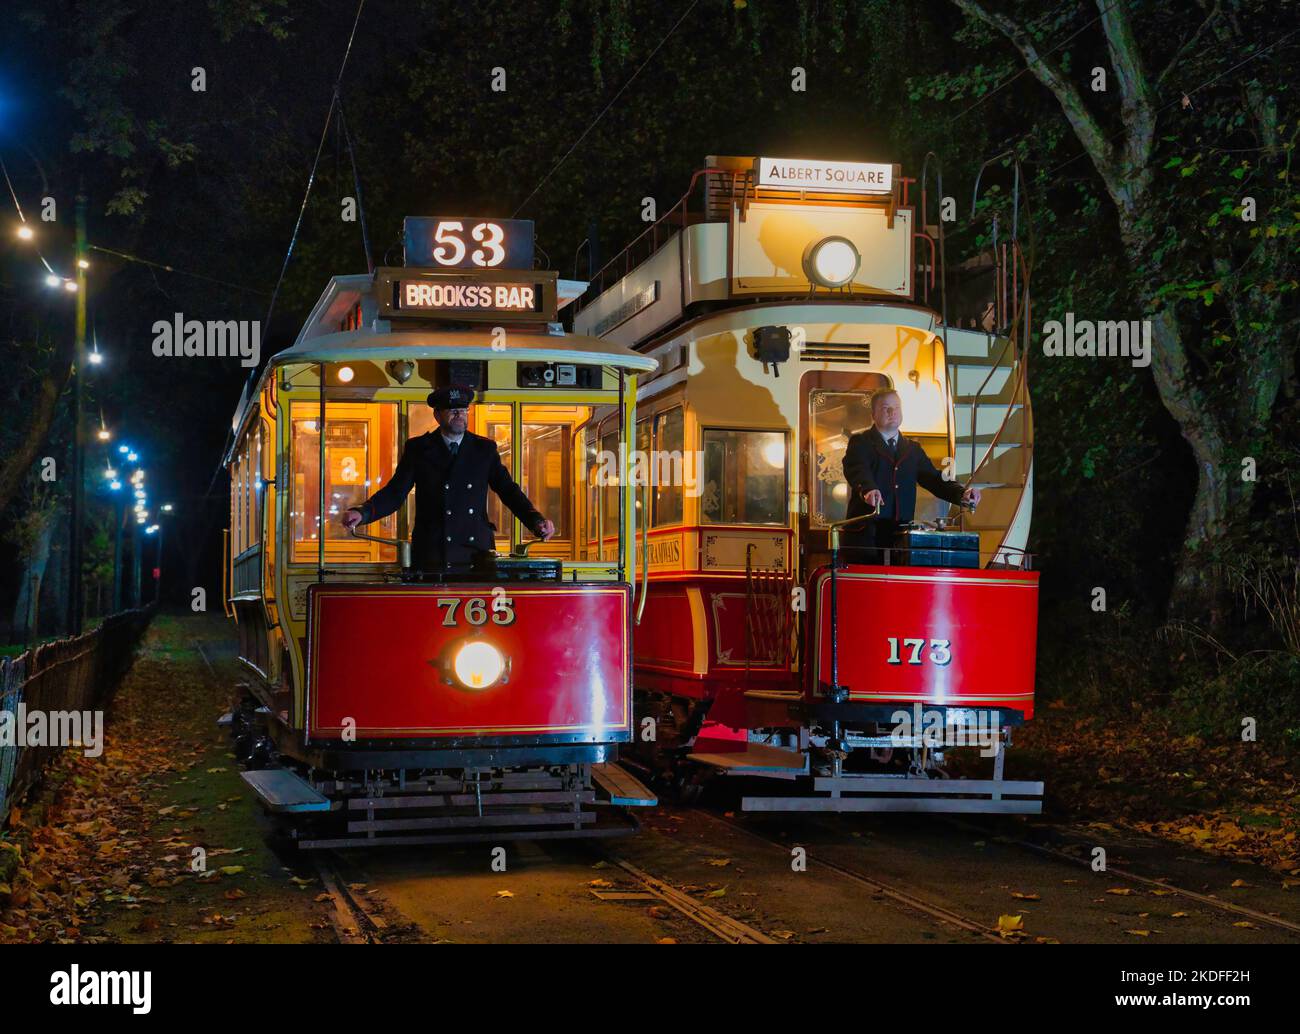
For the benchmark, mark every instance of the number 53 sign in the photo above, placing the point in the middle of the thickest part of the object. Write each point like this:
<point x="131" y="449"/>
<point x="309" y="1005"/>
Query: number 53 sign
<point x="468" y="242"/>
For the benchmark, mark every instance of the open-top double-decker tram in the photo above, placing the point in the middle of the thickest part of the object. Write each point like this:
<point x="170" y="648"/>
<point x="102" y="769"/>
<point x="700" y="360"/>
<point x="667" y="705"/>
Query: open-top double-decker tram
<point x="390" y="704"/>
<point x="776" y="297"/>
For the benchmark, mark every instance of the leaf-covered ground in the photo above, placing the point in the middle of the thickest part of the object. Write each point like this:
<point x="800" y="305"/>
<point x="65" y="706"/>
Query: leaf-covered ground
<point x="106" y="850"/>
<point x="1230" y="798"/>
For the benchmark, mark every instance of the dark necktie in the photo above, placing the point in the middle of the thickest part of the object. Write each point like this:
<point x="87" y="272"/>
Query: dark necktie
<point x="452" y="447"/>
<point x="893" y="446"/>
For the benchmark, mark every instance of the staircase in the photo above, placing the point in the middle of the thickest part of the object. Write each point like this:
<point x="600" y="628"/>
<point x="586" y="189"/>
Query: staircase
<point x="993" y="437"/>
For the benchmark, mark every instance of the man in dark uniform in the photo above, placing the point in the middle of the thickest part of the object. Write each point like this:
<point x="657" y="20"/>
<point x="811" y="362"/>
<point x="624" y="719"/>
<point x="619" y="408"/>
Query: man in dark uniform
<point x="451" y="471"/>
<point x="883" y="469"/>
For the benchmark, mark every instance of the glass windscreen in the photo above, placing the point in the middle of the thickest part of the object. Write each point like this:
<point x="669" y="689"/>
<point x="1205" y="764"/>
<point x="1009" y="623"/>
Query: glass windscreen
<point x="835" y="416"/>
<point x="744" y="477"/>
<point x="360" y="456"/>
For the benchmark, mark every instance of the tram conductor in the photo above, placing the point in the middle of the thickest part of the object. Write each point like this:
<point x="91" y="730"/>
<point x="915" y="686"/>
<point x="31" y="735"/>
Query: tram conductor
<point x="451" y="470"/>
<point x="883" y="468"/>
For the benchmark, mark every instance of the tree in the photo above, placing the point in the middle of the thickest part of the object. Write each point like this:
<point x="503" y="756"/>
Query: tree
<point x="1222" y="403"/>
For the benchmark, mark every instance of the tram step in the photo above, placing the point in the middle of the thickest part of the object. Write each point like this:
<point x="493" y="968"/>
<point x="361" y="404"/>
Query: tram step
<point x="623" y="788"/>
<point x="280" y="791"/>
<point x="756" y="758"/>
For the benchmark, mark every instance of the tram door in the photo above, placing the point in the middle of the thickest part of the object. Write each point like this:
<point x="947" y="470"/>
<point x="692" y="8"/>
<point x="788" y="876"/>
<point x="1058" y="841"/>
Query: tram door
<point x="833" y="405"/>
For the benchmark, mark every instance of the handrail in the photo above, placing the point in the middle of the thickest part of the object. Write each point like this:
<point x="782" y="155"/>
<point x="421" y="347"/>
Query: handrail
<point x="1018" y="388"/>
<point x="597" y="285"/>
<point x="645" y="554"/>
<point x="225" y="573"/>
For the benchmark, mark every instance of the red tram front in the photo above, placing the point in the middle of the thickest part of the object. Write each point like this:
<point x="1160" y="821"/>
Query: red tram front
<point x="394" y="704"/>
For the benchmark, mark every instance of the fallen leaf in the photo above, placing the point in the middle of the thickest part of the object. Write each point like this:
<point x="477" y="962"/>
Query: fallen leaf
<point x="1025" y="897"/>
<point x="1121" y="891"/>
<point x="505" y="893"/>
<point x="1139" y="933"/>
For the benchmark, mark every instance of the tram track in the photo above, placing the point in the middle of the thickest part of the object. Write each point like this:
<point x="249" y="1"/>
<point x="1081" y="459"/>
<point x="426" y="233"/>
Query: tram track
<point x="355" y="920"/>
<point x="1123" y="874"/>
<point x="722" y="926"/>
<point x="892" y="892"/>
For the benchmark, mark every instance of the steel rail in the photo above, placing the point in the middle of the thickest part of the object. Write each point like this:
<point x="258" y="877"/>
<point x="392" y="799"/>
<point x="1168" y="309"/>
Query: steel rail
<point x="893" y="893"/>
<point x="1132" y="877"/>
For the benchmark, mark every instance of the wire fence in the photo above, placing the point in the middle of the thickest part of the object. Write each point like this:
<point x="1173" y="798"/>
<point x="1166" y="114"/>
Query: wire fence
<point x="56" y="679"/>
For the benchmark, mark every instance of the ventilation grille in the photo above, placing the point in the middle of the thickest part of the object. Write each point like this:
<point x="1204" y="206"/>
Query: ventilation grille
<point x="832" y="352"/>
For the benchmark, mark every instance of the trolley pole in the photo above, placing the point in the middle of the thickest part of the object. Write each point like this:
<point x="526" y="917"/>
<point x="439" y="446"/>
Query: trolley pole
<point x="76" y="601"/>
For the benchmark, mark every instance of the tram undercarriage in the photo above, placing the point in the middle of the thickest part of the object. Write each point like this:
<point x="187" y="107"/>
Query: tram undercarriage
<point x="437" y="796"/>
<point x="864" y="766"/>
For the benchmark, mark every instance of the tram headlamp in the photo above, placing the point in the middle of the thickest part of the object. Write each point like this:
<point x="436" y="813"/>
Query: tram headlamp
<point x="831" y="261"/>
<point x="400" y="370"/>
<point x="478" y="665"/>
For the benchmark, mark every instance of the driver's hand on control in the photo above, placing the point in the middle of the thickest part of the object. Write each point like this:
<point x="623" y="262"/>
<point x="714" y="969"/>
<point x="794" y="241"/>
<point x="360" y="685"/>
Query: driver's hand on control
<point x="546" y="530"/>
<point x="873" y="498"/>
<point x="350" y="519"/>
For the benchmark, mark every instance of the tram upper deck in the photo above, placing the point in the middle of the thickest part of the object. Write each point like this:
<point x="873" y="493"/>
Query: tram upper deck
<point x="776" y="295"/>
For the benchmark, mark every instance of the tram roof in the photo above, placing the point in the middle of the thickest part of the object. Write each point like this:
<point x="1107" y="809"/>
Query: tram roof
<point x="320" y="342"/>
<point x="368" y="346"/>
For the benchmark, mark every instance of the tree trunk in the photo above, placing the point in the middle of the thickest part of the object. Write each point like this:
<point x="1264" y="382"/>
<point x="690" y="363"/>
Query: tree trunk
<point x="27" y="606"/>
<point x="15" y="466"/>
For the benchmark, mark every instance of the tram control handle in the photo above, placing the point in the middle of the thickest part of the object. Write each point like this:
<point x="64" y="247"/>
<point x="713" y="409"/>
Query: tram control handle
<point x="403" y="547"/>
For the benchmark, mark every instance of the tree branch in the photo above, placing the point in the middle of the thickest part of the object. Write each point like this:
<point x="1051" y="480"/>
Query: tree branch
<point x="1136" y="109"/>
<point x="1067" y="94"/>
<point x="1187" y="47"/>
<point x="20" y="460"/>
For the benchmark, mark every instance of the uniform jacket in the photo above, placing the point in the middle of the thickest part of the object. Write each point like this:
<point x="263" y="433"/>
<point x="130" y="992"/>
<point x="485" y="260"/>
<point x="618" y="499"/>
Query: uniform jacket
<point x="451" y="522"/>
<point x="869" y="465"/>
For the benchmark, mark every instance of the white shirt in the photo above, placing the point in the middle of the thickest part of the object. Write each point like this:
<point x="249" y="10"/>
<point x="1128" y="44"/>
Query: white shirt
<point x="450" y="439"/>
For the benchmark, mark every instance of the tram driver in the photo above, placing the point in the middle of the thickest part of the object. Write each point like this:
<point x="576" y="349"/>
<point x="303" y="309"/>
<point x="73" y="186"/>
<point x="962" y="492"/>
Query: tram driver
<point x="451" y="470"/>
<point x="883" y="468"/>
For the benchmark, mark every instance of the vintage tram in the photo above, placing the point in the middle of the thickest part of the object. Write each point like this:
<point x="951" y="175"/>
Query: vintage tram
<point x="404" y="706"/>
<point x="775" y="297"/>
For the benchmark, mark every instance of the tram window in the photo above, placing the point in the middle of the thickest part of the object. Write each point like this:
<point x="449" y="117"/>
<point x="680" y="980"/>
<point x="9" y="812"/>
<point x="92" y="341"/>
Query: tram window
<point x="420" y="420"/>
<point x="744" y="477"/>
<point x="609" y="521"/>
<point x="835" y="416"/>
<point x="669" y="440"/>
<point x="547" y="449"/>
<point x="498" y="513"/>
<point x="360" y="456"/>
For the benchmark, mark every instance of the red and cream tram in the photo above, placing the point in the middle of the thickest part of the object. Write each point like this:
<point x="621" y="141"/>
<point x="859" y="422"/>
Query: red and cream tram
<point x="775" y="297"/>
<point x="393" y="705"/>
